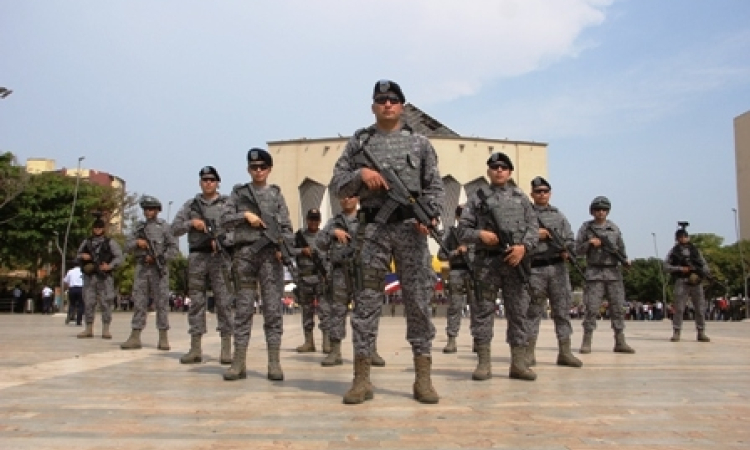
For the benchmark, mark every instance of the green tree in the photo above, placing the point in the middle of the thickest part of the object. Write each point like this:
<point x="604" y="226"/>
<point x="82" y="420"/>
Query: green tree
<point x="13" y="179"/>
<point x="643" y="281"/>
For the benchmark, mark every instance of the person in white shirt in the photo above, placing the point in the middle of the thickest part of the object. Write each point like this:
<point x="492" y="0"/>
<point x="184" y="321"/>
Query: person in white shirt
<point x="47" y="294"/>
<point x="74" y="284"/>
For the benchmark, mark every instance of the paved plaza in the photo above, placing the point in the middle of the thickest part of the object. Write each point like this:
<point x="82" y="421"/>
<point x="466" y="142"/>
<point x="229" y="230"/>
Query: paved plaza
<point x="59" y="392"/>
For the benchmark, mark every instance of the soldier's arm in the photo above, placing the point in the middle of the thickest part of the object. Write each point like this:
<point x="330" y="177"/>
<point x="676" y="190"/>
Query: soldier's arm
<point x="285" y="223"/>
<point x="171" y="249"/>
<point x="325" y="236"/>
<point x="621" y="243"/>
<point x="448" y="243"/>
<point x="668" y="266"/>
<point x="531" y="236"/>
<point x="347" y="178"/>
<point x="582" y="240"/>
<point x="567" y="233"/>
<point x="468" y="222"/>
<point x="81" y="249"/>
<point x="182" y="222"/>
<point x="432" y="184"/>
<point x="230" y="217"/>
<point x="117" y="256"/>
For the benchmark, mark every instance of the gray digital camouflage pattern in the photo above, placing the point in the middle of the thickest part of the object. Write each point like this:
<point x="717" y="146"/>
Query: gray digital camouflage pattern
<point x="415" y="160"/>
<point x="312" y="286"/>
<point x="149" y="283"/>
<point x="257" y="270"/>
<point x="206" y="269"/>
<point x="603" y="274"/>
<point x="519" y="217"/>
<point x="100" y="287"/>
<point x="549" y="279"/>
<point x="684" y="290"/>
<point x="460" y="282"/>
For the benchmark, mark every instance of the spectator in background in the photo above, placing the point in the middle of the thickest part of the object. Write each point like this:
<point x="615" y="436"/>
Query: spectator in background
<point x="47" y="295"/>
<point x="73" y="282"/>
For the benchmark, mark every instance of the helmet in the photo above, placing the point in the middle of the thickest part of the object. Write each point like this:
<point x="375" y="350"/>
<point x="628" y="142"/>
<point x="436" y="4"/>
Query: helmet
<point x="148" y="201"/>
<point x="600" y="202"/>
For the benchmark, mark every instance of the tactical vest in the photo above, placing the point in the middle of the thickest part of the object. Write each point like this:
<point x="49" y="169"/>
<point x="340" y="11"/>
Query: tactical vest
<point x="510" y="202"/>
<point x="339" y="252"/>
<point x="685" y="255"/>
<point x="99" y="248"/>
<point x="598" y="256"/>
<point x="156" y="231"/>
<point x="269" y="197"/>
<point x="552" y="218"/>
<point x="199" y="241"/>
<point x="305" y="264"/>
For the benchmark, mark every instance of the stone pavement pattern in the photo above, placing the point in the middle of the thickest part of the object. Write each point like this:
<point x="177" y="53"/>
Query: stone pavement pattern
<point x="59" y="392"/>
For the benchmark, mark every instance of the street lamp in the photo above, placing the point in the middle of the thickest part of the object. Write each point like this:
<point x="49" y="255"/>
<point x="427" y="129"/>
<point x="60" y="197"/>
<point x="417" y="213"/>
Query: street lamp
<point x="661" y="274"/>
<point x="62" y="271"/>
<point x="169" y="209"/>
<point x="70" y="221"/>
<point x="742" y="261"/>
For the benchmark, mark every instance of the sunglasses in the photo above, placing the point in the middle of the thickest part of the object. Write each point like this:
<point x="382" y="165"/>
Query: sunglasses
<point x="259" y="166"/>
<point x="209" y="180"/>
<point x="600" y="209"/>
<point x="383" y="99"/>
<point x="498" y="166"/>
<point x="541" y="191"/>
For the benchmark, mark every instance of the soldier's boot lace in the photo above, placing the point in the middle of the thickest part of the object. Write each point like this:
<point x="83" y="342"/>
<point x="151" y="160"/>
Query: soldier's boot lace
<point x="361" y="389"/>
<point x="620" y="345"/>
<point x="424" y="392"/>
<point x="586" y="343"/>
<point x="194" y="355"/>
<point x="334" y="357"/>
<point x="105" y="331"/>
<point x="163" y="340"/>
<point x="518" y="368"/>
<point x="226" y="349"/>
<point x="375" y="358"/>
<point x="483" y="370"/>
<point x="675" y="335"/>
<point x="274" y="364"/>
<point x="133" y="342"/>
<point x="450" y="347"/>
<point x="309" y="345"/>
<point x="702" y="336"/>
<point x="86" y="333"/>
<point x="237" y="370"/>
<point x="565" y="355"/>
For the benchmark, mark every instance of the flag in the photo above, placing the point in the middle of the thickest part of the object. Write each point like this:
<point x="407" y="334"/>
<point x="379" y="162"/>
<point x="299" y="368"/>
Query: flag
<point x="391" y="283"/>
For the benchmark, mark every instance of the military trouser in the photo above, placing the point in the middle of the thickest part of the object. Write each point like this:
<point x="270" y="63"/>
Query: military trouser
<point x="258" y="271"/>
<point x="593" y="293"/>
<point x="683" y="291"/>
<point x="149" y="284"/>
<point x="308" y="293"/>
<point x="460" y="293"/>
<point x="409" y="249"/>
<point x="496" y="274"/>
<point x="209" y="267"/>
<point x="551" y="282"/>
<point x="324" y="310"/>
<point x="102" y="289"/>
<point x="338" y="304"/>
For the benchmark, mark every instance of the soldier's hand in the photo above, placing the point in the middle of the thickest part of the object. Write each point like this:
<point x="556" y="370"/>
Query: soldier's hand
<point x="149" y="259"/>
<point x="198" y="224"/>
<point x="342" y="236"/>
<point x="141" y="243"/>
<point x="515" y="255"/>
<point x="307" y="251"/>
<point x="543" y="234"/>
<point x="254" y="220"/>
<point x="595" y="242"/>
<point x="85" y="256"/>
<point x="372" y="179"/>
<point x="685" y="269"/>
<point x="461" y="249"/>
<point x="278" y="255"/>
<point x="488" y="237"/>
<point x="565" y="256"/>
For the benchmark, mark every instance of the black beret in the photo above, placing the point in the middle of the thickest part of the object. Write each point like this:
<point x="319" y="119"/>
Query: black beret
<point x="383" y="86"/>
<point x="259" y="155"/>
<point x="313" y="214"/>
<point x="500" y="158"/>
<point x="209" y="171"/>
<point x="538" y="182"/>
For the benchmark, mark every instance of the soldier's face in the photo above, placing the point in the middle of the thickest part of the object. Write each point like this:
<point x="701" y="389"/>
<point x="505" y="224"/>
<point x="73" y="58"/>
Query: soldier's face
<point x="313" y="224"/>
<point x="259" y="171"/>
<point x="209" y="185"/>
<point x="387" y="107"/>
<point x="499" y="174"/>
<point x="98" y="231"/>
<point x="150" y="213"/>
<point x="541" y="195"/>
<point x="600" y="213"/>
<point x="683" y="239"/>
<point x="349" y="204"/>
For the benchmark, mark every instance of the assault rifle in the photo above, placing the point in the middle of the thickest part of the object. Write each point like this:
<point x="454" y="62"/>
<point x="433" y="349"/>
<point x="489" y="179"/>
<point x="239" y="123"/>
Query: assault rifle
<point x="348" y="260"/>
<point x="698" y="268"/>
<point x="159" y="260"/>
<point x="272" y="235"/>
<point x="610" y="248"/>
<point x="221" y="249"/>
<point x="315" y="256"/>
<point x="523" y="268"/>
<point x="559" y="243"/>
<point x="93" y="266"/>
<point x="453" y="233"/>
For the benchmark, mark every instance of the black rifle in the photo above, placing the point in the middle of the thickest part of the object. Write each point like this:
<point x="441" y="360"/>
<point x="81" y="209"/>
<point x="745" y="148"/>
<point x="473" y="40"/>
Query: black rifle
<point x="346" y="256"/>
<point x="159" y="260"/>
<point x="559" y="243"/>
<point x="314" y="255"/>
<point x="453" y="233"/>
<point x="399" y="195"/>
<point x="95" y="261"/>
<point x="609" y="247"/>
<point x="505" y="236"/>
<point x="697" y="267"/>
<point x="213" y="235"/>
<point x="272" y="235"/>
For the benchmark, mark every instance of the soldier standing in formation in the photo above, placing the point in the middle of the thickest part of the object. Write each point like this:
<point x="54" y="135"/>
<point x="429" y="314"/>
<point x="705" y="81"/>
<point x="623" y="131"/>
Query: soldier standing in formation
<point x="391" y="233"/>
<point x="688" y="267"/>
<point x="207" y="261"/>
<point x="257" y="261"/>
<point x="99" y="256"/>
<point x="549" y="275"/>
<point x="600" y="240"/>
<point x="497" y="262"/>
<point x="312" y="286"/>
<point x="460" y="282"/>
<point x="154" y="246"/>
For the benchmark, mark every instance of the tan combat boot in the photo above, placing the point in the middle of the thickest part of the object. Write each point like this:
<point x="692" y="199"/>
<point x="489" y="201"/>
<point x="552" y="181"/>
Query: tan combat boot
<point x="484" y="364"/>
<point x="531" y="353"/>
<point x="375" y="358"/>
<point x="133" y="342"/>
<point x="586" y="344"/>
<point x="226" y="349"/>
<point x="450" y="347"/>
<point x="326" y="343"/>
<point x="424" y="392"/>
<point x="86" y="333"/>
<point x="702" y="336"/>
<point x="334" y="357"/>
<point x="195" y="355"/>
<point x="565" y="355"/>
<point x="274" y="364"/>
<point x="105" y="331"/>
<point x="675" y="335"/>
<point x="518" y="368"/>
<point x="163" y="341"/>
<point x="309" y="345"/>
<point x="620" y="345"/>
<point x="237" y="370"/>
<point x="361" y="389"/>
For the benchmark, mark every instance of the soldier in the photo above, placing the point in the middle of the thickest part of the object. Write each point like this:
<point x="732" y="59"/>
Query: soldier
<point x="501" y="209"/>
<point x="99" y="256"/>
<point x="208" y="260"/>
<point x="312" y="286"/>
<point x="153" y="246"/>
<point x="688" y="268"/>
<point x="253" y="210"/>
<point x="389" y="230"/>
<point x="549" y="274"/>
<point x="600" y="240"/>
<point x="460" y="282"/>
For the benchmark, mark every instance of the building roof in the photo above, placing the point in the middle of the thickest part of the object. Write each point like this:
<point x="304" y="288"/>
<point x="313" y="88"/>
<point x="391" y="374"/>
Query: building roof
<point x="425" y="124"/>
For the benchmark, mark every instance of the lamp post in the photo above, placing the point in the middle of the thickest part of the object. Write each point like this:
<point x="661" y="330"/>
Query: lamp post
<point x="169" y="209"/>
<point x="62" y="270"/>
<point x="742" y="261"/>
<point x="661" y="274"/>
<point x="70" y="221"/>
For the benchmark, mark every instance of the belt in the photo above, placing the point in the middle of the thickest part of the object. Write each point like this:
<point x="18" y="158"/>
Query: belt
<point x="399" y="214"/>
<point x="546" y="262"/>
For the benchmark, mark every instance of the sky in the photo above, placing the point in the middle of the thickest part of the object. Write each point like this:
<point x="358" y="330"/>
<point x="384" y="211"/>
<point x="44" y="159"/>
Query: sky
<point x="636" y="99"/>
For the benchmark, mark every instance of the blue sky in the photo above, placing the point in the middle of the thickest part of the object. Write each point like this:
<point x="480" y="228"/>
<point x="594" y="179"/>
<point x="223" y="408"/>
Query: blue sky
<point x="635" y="98"/>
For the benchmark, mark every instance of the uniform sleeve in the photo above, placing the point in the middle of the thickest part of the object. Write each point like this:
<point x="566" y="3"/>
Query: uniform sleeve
<point x="230" y="217"/>
<point x="567" y="233"/>
<point x="432" y="183"/>
<point x="704" y="264"/>
<point x="582" y="241"/>
<point x="468" y="222"/>
<point x="285" y="223"/>
<point x="621" y="244"/>
<point x="347" y="178"/>
<point x="296" y="250"/>
<point x="182" y="222"/>
<point x="82" y="249"/>
<point x="668" y="263"/>
<point x="117" y="257"/>
<point x="447" y="242"/>
<point x="531" y="236"/>
<point x="323" y="239"/>
<point x="171" y="249"/>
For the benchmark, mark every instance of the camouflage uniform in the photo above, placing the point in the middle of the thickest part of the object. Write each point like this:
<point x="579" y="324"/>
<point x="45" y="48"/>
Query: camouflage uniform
<point x="686" y="287"/>
<point x="257" y="268"/>
<point x="312" y="286"/>
<point x="204" y="264"/>
<point x="100" y="286"/>
<point x="461" y="285"/>
<point x="149" y="283"/>
<point x="414" y="159"/>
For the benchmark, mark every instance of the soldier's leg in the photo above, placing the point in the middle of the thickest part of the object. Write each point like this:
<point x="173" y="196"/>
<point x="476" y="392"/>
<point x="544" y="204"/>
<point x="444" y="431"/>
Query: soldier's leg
<point x="699" y="302"/>
<point x="593" y="292"/>
<point x="457" y="299"/>
<point x="339" y="306"/>
<point x="161" y="301"/>
<point x="680" y="300"/>
<point x="306" y="299"/>
<point x="561" y="300"/>
<point x="271" y="278"/>
<point x="246" y="266"/>
<point x="140" y="297"/>
<point x="616" y="296"/>
<point x="221" y="284"/>
<point x="324" y="312"/>
<point x="107" y="298"/>
<point x="89" y="298"/>
<point x="539" y="280"/>
<point x="197" y="275"/>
